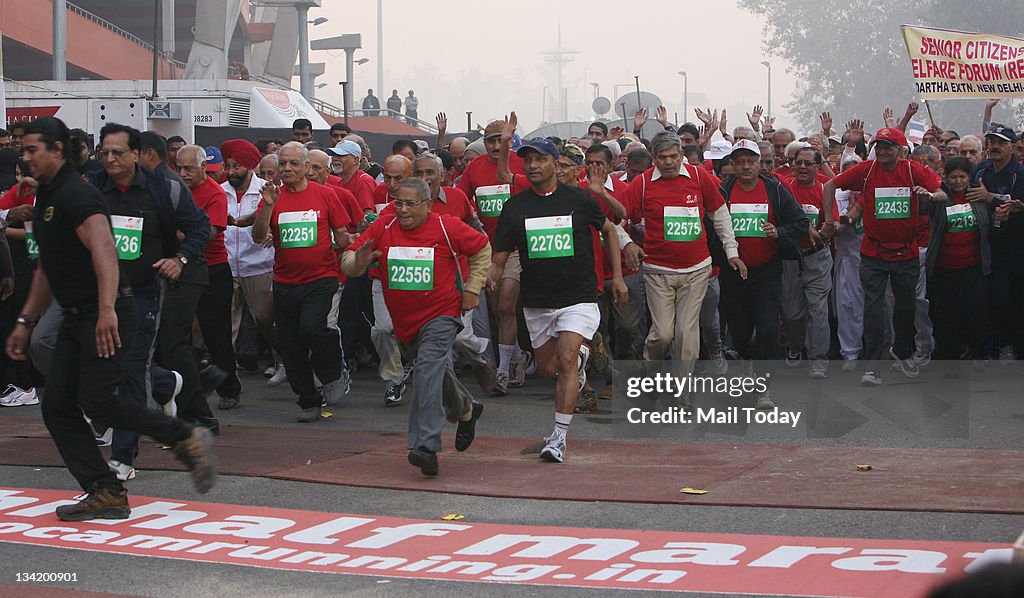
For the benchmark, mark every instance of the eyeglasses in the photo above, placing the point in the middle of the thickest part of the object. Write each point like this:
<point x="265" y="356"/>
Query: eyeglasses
<point x="804" y="163"/>
<point x="406" y="203"/>
<point x="116" y="152"/>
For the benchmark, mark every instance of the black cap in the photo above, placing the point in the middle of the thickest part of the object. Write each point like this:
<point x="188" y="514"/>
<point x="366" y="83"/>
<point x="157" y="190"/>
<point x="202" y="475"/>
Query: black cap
<point x="1002" y="132"/>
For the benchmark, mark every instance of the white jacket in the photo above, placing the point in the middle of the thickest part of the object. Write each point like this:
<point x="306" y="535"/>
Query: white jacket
<point x="245" y="257"/>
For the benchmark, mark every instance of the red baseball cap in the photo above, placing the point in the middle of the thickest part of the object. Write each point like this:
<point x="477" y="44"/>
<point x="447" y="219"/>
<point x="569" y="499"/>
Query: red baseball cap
<point x="893" y="136"/>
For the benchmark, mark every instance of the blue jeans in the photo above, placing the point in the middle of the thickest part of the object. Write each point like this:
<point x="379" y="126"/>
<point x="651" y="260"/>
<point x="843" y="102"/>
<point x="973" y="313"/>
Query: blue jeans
<point x="141" y="377"/>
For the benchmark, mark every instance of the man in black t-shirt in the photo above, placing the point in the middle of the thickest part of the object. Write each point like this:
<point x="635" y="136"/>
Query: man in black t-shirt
<point x="550" y="225"/>
<point x="78" y="267"/>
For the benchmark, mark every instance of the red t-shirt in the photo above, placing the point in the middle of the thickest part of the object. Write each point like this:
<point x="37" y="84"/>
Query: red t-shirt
<point x="961" y="243"/>
<point x="601" y="264"/>
<point x="418" y="268"/>
<point x="756" y="249"/>
<point x="211" y="198"/>
<point x="890" y="219"/>
<point x="456" y="205"/>
<point x="11" y="199"/>
<point x="351" y="205"/>
<point x="303" y="224"/>
<point x="362" y="186"/>
<point x="381" y="198"/>
<point x="480" y="183"/>
<point x="809" y="199"/>
<point x="684" y="200"/>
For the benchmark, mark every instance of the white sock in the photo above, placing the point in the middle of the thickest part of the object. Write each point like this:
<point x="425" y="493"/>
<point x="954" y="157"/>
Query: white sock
<point x="505" y="358"/>
<point x="562" y="421"/>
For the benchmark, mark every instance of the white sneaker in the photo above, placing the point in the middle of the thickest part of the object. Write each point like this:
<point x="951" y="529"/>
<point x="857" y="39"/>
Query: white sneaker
<point x="581" y="366"/>
<point x="870" y="379"/>
<point x="531" y="363"/>
<point x="554" y="449"/>
<point x="719" y="366"/>
<point x="333" y="392"/>
<point x="124" y="471"/>
<point x="16" y="397"/>
<point x="517" y="372"/>
<point x="170" y="408"/>
<point x="1007" y="355"/>
<point x="764" y="401"/>
<point x="851" y="365"/>
<point x="106" y="438"/>
<point x="270" y="371"/>
<point x="279" y="377"/>
<point x="921" y="359"/>
<point x="819" y="371"/>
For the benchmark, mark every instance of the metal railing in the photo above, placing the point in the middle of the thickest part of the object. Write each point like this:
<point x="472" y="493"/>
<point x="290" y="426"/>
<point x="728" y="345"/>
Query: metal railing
<point x="123" y="33"/>
<point x="336" y="112"/>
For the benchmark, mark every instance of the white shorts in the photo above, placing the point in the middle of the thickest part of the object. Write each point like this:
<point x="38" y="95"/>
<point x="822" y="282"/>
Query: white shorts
<point x="544" y="324"/>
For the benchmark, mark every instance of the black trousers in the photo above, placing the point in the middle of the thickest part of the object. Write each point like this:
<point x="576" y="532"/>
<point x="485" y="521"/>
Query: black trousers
<point x="82" y="382"/>
<point x="175" y="341"/>
<point x="753" y="305"/>
<point x="307" y="343"/>
<point x="959" y="311"/>
<point x="1007" y="296"/>
<point x="354" y="315"/>
<point x="214" y="315"/>
<point x="903" y="275"/>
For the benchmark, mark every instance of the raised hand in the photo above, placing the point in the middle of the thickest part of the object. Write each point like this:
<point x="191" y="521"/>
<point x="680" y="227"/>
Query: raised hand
<point x="704" y="117"/>
<point x="615" y="132"/>
<point x="854" y="132"/>
<point x="639" y="119"/>
<point x="888" y="117"/>
<point x="662" y="116"/>
<point x="269" y="193"/>
<point x="754" y="117"/>
<point x="768" y="123"/>
<point x="509" y="130"/>
<point x="826" y="123"/>
<point x="722" y="125"/>
<point x="442" y="123"/>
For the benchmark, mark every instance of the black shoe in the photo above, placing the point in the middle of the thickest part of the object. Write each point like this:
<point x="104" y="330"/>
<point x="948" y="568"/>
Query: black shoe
<point x="210" y="423"/>
<point x="210" y="378"/>
<point x="247" y="362"/>
<point x="100" y="503"/>
<point x="425" y="459"/>
<point x="466" y="431"/>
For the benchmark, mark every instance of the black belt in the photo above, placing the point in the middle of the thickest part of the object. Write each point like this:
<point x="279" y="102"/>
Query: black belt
<point x="813" y="250"/>
<point x="91" y="307"/>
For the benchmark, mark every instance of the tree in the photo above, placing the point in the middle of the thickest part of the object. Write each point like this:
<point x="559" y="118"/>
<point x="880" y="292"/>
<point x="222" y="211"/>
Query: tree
<point x="850" y="58"/>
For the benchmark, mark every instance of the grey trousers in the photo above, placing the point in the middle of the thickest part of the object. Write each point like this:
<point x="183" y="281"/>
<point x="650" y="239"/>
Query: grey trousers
<point x="805" y="305"/>
<point x="710" y="322"/>
<point x="437" y="392"/>
<point x="383" y="336"/>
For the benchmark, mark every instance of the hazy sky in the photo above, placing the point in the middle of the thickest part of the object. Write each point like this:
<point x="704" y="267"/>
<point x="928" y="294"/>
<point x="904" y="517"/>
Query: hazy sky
<point x="485" y="56"/>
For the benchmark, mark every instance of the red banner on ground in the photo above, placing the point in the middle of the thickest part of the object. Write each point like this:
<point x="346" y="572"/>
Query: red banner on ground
<point x="480" y="552"/>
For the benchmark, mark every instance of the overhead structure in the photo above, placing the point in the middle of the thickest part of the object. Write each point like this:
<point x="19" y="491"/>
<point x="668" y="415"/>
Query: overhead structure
<point x="560" y="56"/>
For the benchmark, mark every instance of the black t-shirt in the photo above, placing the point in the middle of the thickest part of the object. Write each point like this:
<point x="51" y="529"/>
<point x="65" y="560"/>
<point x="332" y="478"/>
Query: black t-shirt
<point x="558" y="266"/>
<point x="62" y="205"/>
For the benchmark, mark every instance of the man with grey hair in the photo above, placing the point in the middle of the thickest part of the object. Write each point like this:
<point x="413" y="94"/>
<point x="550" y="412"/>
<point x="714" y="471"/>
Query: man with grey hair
<point x="780" y="139"/>
<point x="767" y="157"/>
<point x="971" y="148"/>
<point x="928" y="156"/>
<point x="742" y="132"/>
<point x="268" y="169"/>
<point x="213" y="312"/>
<point x="672" y="199"/>
<point x="419" y="252"/>
<point x="302" y="218"/>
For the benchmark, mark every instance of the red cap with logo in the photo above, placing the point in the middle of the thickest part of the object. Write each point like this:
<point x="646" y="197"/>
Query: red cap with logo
<point x="893" y="136"/>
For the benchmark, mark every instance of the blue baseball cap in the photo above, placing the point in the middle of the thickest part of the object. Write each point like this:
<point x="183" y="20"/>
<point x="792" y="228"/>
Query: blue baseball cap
<point x="214" y="160"/>
<point x="542" y="146"/>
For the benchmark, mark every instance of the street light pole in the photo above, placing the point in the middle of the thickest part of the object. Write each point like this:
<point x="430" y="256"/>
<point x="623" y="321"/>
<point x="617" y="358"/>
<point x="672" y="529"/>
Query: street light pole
<point x="544" y="105"/>
<point x="305" y="83"/>
<point x="686" y="96"/>
<point x="769" y="66"/>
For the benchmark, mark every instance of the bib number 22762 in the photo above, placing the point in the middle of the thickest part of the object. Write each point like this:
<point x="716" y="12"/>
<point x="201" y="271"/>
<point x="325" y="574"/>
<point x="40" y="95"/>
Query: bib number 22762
<point x="549" y="237"/>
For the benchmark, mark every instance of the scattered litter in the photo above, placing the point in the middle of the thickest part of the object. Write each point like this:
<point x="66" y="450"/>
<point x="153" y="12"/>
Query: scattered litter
<point x="326" y="414"/>
<point x="693" y="491"/>
<point x="864" y="468"/>
<point x="453" y="517"/>
<point x="309" y="461"/>
<point x="383" y="581"/>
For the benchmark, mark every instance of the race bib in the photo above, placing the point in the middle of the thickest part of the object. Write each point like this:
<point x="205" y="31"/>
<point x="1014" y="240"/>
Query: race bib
<point x="682" y="223"/>
<point x="30" y="242"/>
<point x="748" y="219"/>
<point x="127" y="236"/>
<point x="549" y="237"/>
<point x="491" y="199"/>
<point x="411" y="268"/>
<point x="297" y="229"/>
<point x="892" y="203"/>
<point x="812" y="214"/>
<point x="960" y="218"/>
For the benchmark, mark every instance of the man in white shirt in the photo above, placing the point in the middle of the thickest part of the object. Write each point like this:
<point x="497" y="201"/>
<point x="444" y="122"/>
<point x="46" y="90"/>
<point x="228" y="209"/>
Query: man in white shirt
<point x="252" y="264"/>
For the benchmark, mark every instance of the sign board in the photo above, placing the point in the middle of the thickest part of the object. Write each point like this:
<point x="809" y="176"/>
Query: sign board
<point x="959" y="65"/>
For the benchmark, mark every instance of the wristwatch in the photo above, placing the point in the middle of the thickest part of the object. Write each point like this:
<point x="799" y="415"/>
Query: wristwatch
<point x="182" y="259"/>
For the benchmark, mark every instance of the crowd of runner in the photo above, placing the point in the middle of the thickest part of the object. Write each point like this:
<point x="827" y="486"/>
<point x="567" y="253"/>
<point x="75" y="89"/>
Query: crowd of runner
<point x="705" y="247"/>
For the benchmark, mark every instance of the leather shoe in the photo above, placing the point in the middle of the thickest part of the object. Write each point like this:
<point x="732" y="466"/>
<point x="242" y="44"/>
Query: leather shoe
<point x="466" y="431"/>
<point x="425" y="459"/>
